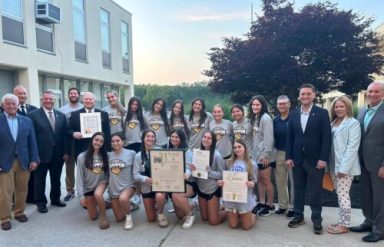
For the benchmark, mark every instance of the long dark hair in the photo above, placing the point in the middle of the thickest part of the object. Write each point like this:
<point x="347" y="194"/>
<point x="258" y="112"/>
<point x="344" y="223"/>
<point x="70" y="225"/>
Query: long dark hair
<point x="163" y="113"/>
<point x="183" y="139"/>
<point x="143" y="153"/>
<point x="264" y="109"/>
<point x="203" y="114"/>
<point x="103" y="152"/>
<point x="139" y="112"/>
<point x="213" y="146"/>
<point x="181" y="115"/>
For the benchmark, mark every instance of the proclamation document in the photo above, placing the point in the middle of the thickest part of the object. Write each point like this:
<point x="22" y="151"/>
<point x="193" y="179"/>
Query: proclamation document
<point x="235" y="188"/>
<point x="90" y="123"/>
<point x="167" y="170"/>
<point x="201" y="161"/>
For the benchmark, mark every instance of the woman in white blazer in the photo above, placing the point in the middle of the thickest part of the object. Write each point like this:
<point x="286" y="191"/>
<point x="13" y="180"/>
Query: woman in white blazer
<point x="344" y="161"/>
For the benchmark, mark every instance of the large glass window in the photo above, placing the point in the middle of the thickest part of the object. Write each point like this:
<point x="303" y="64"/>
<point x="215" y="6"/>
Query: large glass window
<point x="125" y="46"/>
<point x="67" y="85"/>
<point x="12" y="21"/>
<point x="79" y="29"/>
<point x="105" y="38"/>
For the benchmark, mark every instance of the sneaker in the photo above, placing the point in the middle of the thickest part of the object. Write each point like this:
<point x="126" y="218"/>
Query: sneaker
<point x="103" y="223"/>
<point x="128" y="225"/>
<point x="70" y="195"/>
<point x="258" y="208"/>
<point x="136" y="199"/>
<point x="162" y="220"/>
<point x="134" y="206"/>
<point x="267" y="210"/>
<point x="280" y="211"/>
<point x="290" y="214"/>
<point x="296" y="222"/>
<point x="188" y="222"/>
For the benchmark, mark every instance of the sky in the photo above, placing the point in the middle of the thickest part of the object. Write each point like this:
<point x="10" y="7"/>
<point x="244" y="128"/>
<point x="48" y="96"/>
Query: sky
<point x="171" y="38"/>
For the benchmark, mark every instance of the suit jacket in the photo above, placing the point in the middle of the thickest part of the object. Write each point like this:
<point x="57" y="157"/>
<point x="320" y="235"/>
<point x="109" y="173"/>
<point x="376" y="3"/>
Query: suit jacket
<point x="29" y="109"/>
<point x="49" y="140"/>
<point x="315" y="142"/>
<point x="25" y="146"/>
<point x="345" y="145"/>
<point x="372" y="140"/>
<point x="74" y="126"/>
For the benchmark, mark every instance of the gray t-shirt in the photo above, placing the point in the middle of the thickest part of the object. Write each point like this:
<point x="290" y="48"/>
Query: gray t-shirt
<point x="120" y="172"/>
<point x="115" y="119"/>
<point x="138" y="173"/>
<point x="263" y="139"/>
<point x="215" y="172"/>
<point x="240" y="166"/>
<point x="243" y="131"/>
<point x="224" y="136"/>
<point x="68" y="109"/>
<point x="156" y="123"/>
<point x="132" y="131"/>
<point x="196" y="131"/>
<point x="88" y="179"/>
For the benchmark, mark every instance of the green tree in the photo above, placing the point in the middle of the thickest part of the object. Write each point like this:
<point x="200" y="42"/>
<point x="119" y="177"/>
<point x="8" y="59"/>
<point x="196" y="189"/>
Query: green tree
<point x="320" y="44"/>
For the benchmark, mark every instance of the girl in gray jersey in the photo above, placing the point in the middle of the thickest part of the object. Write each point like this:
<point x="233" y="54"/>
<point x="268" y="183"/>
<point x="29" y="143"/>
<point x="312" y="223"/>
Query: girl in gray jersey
<point x="177" y="120"/>
<point x="223" y="130"/>
<point x="208" y="190"/>
<point x="116" y="112"/>
<point x="134" y="125"/>
<point x="198" y="123"/>
<point x="263" y="146"/>
<point x="242" y="128"/>
<point x="157" y="121"/>
<point x="241" y="213"/>
<point x="153" y="201"/>
<point x="183" y="210"/>
<point x="92" y="179"/>
<point x="121" y="185"/>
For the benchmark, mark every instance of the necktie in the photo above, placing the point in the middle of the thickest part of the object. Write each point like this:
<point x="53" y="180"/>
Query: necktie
<point x="23" y="112"/>
<point x="51" y="120"/>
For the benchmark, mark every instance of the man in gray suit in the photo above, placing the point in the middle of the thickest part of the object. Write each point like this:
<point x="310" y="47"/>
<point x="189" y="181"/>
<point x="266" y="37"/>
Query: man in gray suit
<point x="372" y="164"/>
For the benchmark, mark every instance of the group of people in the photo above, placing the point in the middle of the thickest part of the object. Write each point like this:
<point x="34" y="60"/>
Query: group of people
<point x="113" y="165"/>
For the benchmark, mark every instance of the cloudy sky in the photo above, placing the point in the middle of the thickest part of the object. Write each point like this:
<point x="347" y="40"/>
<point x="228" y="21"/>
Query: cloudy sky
<point x="171" y="38"/>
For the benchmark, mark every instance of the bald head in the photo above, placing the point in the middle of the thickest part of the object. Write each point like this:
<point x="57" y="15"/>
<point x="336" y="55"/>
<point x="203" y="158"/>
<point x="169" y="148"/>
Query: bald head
<point x="375" y="93"/>
<point x="89" y="100"/>
<point x="21" y="94"/>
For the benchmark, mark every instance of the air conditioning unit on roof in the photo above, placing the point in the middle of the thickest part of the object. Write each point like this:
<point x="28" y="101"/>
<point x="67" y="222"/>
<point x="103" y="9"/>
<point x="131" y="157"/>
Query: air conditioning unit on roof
<point x="47" y="12"/>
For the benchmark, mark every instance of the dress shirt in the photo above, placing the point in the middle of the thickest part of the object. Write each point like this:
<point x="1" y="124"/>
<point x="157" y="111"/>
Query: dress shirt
<point x="369" y="114"/>
<point x="13" y="125"/>
<point x="304" y="117"/>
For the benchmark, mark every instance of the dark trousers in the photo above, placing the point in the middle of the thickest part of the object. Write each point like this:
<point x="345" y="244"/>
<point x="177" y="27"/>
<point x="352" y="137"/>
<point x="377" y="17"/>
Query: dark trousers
<point x="306" y="174"/>
<point x="372" y="200"/>
<point x="54" y="166"/>
<point x="31" y="188"/>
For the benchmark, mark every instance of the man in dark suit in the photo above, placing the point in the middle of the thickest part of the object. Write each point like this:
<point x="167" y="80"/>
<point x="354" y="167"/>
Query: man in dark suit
<point x="372" y="164"/>
<point x="23" y="110"/>
<point x="19" y="156"/>
<point x="81" y="144"/>
<point x="51" y="131"/>
<point x="308" y="150"/>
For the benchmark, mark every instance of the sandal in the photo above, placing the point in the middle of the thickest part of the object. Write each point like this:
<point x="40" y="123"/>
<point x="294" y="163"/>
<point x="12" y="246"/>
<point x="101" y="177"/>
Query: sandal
<point x="338" y="229"/>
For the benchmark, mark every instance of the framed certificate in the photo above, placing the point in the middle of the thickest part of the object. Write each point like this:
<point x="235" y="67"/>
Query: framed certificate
<point x="90" y="123"/>
<point x="167" y="170"/>
<point x="201" y="161"/>
<point x="235" y="188"/>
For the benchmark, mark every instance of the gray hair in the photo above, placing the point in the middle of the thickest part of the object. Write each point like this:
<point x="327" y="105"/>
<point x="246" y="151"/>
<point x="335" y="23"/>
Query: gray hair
<point x="47" y="92"/>
<point x="11" y="97"/>
<point x="283" y="97"/>
<point x="377" y="83"/>
<point x="91" y="94"/>
<point x="19" y="87"/>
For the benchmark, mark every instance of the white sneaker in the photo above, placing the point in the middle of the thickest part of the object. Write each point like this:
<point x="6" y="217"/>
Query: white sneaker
<point x="128" y="222"/>
<point x="162" y="220"/>
<point x="188" y="222"/>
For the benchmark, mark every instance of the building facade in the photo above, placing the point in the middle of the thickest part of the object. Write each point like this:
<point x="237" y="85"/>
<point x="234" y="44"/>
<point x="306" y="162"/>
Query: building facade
<point x="55" y="45"/>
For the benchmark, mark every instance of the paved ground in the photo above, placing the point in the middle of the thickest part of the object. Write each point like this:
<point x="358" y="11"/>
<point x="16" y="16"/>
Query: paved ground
<point x="70" y="226"/>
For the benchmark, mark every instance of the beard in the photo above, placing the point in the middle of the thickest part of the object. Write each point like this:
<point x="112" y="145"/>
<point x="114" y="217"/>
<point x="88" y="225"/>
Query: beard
<point x="74" y="100"/>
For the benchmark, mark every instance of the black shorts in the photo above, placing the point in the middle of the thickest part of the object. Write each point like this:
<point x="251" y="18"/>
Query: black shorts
<point x="150" y="195"/>
<point x="261" y="166"/>
<point x="194" y="188"/>
<point x="90" y="193"/>
<point x="208" y="197"/>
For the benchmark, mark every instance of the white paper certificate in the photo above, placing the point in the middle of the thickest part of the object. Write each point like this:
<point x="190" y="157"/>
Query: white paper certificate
<point x="235" y="188"/>
<point x="167" y="170"/>
<point x="90" y="123"/>
<point x="201" y="161"/>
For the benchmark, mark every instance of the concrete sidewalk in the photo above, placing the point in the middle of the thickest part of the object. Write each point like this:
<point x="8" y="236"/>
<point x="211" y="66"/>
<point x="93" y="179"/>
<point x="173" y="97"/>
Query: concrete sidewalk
<point x="70" y="226"/>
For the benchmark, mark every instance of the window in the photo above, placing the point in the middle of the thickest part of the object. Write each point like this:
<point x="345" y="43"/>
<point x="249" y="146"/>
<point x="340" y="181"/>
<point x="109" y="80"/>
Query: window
<point x="105" y="38"/>
<point x="79" y="30"/>
<point x="12" y="21"/>
<point x="44" y="37"/>
<point x="125" y="46"/>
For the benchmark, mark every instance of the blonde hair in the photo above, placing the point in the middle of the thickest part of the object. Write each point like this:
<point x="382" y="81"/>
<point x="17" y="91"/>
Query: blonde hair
<point x="348" y="105"/>
<point x="246" y="158"/>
